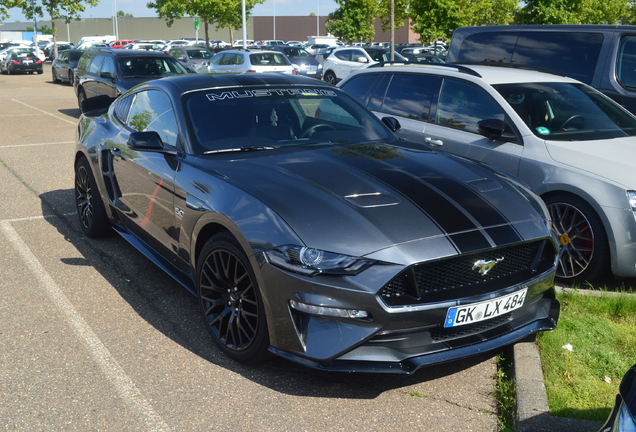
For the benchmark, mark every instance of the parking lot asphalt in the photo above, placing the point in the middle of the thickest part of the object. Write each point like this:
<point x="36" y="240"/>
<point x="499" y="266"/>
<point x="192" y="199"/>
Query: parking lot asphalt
<point x="94" y="337"/>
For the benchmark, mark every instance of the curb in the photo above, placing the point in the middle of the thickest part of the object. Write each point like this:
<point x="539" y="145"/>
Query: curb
<point x="533" y="414"/>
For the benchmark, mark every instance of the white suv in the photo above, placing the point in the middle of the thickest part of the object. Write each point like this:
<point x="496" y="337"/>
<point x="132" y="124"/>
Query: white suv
<point x="343" y="61"/>
<point x="247" y="61"/>
<point x="572" y="145"/>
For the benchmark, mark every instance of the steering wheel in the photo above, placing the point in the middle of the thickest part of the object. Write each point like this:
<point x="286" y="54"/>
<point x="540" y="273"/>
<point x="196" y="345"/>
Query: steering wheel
<point x="307" y="133"/>
<point x="571" y="119"/>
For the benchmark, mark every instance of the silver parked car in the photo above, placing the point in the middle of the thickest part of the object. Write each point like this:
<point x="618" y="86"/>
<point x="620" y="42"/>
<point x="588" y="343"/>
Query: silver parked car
<point x="248" y="61"/>
<point x="572" y="145"/>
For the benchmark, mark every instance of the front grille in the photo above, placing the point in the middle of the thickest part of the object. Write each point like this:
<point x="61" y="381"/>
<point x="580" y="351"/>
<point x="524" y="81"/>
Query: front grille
<point x="457" y="276"/>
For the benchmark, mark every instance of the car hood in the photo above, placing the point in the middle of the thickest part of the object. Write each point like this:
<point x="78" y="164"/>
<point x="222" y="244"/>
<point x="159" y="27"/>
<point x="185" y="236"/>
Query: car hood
<point x="365" y="198"/>
<point x="612" y="159"/>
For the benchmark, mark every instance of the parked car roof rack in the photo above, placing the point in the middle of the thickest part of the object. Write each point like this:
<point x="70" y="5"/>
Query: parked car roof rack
<point x="459" y="68"/>
<point x="511" y="66"/>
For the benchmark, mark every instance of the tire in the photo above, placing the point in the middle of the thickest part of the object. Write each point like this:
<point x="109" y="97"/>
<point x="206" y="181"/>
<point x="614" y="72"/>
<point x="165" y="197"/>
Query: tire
<point x="330" y="77"/>
<point x="54" y="76"/>
<point x="90" y="207"/>
<point x="81" y="97"/>
<point x="40" y="72"/>
<point x="70" y="76"/>
<point x="231" y="301"/>
<point x="584" y="254"/>
<point x="8" y="70"/>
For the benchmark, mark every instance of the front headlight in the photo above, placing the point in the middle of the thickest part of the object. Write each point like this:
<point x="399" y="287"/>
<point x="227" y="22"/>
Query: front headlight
<point x="631" y="196"/>
<point x="310" y="262"/>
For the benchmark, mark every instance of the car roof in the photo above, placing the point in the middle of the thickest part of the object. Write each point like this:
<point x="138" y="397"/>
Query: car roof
<point x="488" y="74"/>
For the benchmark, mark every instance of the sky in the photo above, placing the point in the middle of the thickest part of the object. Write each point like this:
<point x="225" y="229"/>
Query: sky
<point x="138" y="9"/>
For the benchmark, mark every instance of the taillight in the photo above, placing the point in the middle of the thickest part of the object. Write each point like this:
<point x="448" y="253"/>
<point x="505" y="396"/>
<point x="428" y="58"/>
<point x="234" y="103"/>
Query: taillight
<point x="15" y="62"/>
<point x="250" y="71"/>
<point x="294" y="72"/>
<point x="38" y="61"/>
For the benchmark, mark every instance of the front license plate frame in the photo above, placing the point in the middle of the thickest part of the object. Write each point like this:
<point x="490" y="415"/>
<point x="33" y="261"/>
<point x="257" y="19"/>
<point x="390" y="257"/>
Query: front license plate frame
<point x="485" y="310"/>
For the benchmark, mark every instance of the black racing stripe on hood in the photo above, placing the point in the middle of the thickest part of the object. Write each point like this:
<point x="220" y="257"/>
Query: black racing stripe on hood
<point x="449" y="217"/>
<point x="480" y="209"/>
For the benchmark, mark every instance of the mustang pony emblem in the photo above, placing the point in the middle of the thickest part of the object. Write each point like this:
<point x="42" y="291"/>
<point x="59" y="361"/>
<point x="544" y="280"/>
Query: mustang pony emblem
<point x="484" y="266"/>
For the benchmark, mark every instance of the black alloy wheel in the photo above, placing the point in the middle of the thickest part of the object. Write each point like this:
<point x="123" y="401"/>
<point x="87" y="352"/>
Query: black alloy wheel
<point x="90" y="207"/>
<point x="231" y="301"/>
<point x="81" y="97"/>
<point x="330" y="77"/>
<point x="584" y="249"/>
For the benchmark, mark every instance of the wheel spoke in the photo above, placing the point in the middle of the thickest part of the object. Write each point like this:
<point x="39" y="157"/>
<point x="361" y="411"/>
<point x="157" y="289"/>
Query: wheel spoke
<point x="228" y="299"/>
<point x="576" y="237"/>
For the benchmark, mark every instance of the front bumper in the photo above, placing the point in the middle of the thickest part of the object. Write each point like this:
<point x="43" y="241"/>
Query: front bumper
<point x="391" y="340"/>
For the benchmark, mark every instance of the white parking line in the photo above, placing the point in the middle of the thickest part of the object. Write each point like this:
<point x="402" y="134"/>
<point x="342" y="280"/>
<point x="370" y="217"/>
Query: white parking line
<point x="109" y="366"/>
<point x="36" y="144"/>
<point x="44" y="112"/>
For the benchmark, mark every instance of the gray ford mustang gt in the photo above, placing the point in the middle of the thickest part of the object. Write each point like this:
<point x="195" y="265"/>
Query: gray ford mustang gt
<point x="308" y="229"/>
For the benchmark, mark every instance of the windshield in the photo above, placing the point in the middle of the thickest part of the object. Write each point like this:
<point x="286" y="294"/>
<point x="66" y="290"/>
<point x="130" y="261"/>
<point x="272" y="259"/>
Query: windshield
<point x="568" y="112"/>
<point x="149" y="66"/>
<point x="276" y="117"/>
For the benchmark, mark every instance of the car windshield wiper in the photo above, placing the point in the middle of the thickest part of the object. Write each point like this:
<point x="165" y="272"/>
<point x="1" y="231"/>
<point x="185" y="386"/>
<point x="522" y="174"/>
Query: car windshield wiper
<point x="240" y="149"/>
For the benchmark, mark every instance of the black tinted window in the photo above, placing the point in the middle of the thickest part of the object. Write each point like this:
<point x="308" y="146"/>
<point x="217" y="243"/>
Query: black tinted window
<point x="626" y="63"/>
<point x="360" y="87"/>
<point x="572" y="54"/>
<point x="409" y="96"/>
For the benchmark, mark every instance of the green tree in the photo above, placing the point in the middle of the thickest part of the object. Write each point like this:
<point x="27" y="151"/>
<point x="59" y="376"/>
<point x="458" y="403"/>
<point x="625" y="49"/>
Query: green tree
<point x="5" y="5"/>
<point x="223" y="13"/>
<point x="435" y="18"/>
<point x="122" y="14"/>
<point x="55" y="9"/>
<point x="400" y="9"/>
<point x="353" y="20"/>
<point x="575" y="12"/>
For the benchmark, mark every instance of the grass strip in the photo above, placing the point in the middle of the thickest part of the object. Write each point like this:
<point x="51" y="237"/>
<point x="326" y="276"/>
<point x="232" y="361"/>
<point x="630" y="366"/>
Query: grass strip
<point x="505" y="391"/>
<point x="586" y="356"/>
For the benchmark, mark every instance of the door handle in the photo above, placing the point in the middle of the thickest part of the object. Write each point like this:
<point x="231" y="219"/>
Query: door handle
<point x="116" y="151"/>
<point x="433" y="142"/>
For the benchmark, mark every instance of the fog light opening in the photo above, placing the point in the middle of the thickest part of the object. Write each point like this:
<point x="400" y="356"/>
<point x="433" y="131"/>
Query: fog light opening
<point x="328" y="311"/>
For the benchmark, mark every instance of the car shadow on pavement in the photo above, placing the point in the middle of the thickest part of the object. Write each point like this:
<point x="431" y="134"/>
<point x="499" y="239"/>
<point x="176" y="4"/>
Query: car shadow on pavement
<point x="74" y="113"/>
<point x="174" y="311"/>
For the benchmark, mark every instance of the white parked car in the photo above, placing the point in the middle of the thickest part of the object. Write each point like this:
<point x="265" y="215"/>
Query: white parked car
<point x="572" y="145"/>
<point x="248" y="61"/>
<point x="342" y="61"/>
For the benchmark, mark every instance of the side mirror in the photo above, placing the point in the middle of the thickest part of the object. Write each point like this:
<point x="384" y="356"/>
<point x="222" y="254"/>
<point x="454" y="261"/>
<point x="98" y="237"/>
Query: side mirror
<point x="392" y="123"/>
<point x="107" y="75"/>
<point x="148" y="140"/>
<point x="494" y="129"/>
<point x="363" y="60"/>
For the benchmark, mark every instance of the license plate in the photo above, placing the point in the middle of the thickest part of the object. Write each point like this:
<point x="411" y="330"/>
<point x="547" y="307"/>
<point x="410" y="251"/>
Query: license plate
<point x="28" y="62"/>
<point x="311" y="72"/>
<point x="475" y="312"/>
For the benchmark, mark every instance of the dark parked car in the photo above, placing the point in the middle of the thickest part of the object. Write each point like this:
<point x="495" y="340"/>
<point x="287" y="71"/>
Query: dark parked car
<point x="49" y="50"/>
<point x="623" y="416"/>
<point x="111" y="72"/>
<point x="63" y="67"/>
<point x="308" y="229"/>
<point x="303" y="62"/>
<point x="21" y="60"/>
<point x="422" y="58"/>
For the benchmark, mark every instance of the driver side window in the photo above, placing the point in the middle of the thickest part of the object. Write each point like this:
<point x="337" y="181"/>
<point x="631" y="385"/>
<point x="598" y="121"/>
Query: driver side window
<point x="152" y="111"/>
